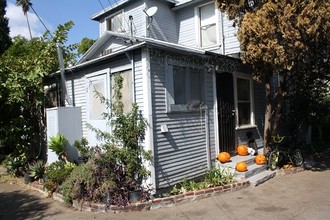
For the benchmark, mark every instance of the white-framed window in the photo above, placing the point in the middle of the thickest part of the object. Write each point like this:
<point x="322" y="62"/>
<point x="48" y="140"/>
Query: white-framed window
<point x="126" y="89"/>
<point x="207" y="28"/>
<point x="116" y="22"/>
<point x="185" y="88"/>
<point x="244" y="101"/>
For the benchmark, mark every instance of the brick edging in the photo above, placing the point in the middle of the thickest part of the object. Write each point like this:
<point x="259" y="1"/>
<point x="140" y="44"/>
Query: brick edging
<point x="167" y="201"/>
<point x="163" y="202"/>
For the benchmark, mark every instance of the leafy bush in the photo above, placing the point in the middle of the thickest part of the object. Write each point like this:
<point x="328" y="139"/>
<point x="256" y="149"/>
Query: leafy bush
<point x="212" y="178"/>
<point x="218" y="177"/>
<point x="56" y="173"/>
<point x="117" y="167"/>
<point x="16" y="165"/>
<point x="85" y="151"/>
<point x="79" y="185"/>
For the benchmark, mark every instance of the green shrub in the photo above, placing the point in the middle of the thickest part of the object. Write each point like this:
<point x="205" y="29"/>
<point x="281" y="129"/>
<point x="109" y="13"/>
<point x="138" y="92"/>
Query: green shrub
<point x="79" y="184"/>
<point x="212" y="178"/>
<point x="85" y="151"/>
<point x="16" y="165"/>
<point x="56" y="173"/>
<point x="218" y="177"/>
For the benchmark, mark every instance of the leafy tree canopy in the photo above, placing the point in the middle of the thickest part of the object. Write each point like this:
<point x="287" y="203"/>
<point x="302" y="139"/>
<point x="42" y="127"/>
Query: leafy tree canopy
<point x="22" y="70"/>
<point x="285" y="37"/>
<point x="84" y="45"/>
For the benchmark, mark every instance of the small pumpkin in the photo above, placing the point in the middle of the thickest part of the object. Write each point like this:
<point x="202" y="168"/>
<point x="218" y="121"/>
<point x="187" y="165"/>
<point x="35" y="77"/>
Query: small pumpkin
<point x="241" y="167"/>
<point x="242" y="150"/>
<point x="260" y="159"/>
<point x="223" y="157"/>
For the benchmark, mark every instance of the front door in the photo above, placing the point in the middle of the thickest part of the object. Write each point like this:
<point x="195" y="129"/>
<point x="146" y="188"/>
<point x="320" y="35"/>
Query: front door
<point x="226" y="111"/>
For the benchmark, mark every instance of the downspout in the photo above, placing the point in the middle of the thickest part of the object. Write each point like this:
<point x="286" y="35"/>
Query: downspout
<point x="207" y="134"/>
<point x="222" y="34"/>
<point x="215" y="114"/>
<point x="64" y="93"/>
<point x="207" y="124"/>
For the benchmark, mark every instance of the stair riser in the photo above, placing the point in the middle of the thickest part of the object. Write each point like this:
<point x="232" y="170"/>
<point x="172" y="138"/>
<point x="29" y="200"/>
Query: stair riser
<point x="255" y="171"/>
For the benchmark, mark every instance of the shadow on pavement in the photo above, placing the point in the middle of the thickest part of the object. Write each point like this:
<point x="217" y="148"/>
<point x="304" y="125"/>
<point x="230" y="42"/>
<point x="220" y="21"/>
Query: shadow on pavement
<point x="318" y="162"/>
<point x="20" y="205"/>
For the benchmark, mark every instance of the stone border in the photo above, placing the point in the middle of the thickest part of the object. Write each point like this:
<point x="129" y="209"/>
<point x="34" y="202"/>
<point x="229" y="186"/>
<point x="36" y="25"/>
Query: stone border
<point x="163" y="202"/>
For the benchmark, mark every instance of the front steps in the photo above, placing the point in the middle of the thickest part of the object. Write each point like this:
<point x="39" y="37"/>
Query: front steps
<point x="256" y="174"/>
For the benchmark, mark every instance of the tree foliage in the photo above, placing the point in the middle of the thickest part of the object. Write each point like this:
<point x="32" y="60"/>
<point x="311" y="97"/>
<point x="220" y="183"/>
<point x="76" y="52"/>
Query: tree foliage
<point x="23" y="68"/>
<point x="84" y="45"/>
<point x="5" y="40"/>
<point x="284" y="38"/>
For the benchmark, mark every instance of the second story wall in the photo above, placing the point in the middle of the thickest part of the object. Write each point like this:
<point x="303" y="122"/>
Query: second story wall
<point x="164" y="24"/>
<point x="197" y="24"/>
<point x="202" y="25"/>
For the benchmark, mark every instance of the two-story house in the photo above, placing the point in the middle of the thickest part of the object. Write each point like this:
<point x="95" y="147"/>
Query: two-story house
<point x="179" y="61"/>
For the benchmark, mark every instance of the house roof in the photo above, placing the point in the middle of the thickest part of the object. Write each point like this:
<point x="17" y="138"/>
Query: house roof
<point x="177" y="3"/>
<point x="130" y="43"/>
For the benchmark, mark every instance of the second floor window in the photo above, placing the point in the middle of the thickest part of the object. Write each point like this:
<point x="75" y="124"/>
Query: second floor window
<point x="207" y="25"/>
<point x="116" y="23"/>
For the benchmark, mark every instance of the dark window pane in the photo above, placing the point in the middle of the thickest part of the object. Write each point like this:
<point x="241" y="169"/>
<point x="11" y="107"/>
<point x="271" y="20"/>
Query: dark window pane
<point x="244" y="114"/>
<point x="195" y="89"/>
<point x="179" y="78"/>
<point x="243" y="89"/>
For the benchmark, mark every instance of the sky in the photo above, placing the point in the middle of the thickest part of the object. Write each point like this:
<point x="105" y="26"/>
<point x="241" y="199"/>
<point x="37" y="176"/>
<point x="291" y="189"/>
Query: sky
<point x="54" y="13"/>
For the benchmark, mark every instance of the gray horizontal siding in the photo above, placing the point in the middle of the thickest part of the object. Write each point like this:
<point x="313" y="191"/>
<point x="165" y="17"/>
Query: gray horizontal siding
<point x="186" y="27"/>
<point x="163" y="26"/>
<point x="180" y="153"/>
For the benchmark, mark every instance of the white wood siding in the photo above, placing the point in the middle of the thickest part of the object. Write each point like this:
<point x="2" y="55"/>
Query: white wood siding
<point x="78" y="97"/>
<point x="231" y="43"/>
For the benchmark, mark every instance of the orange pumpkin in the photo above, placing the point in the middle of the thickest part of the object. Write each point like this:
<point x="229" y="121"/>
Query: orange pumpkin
<point x="242" y="150"/>
<point x="241" y="167"/>
<point x="223" y="157"/>
<point x="260" y="159"/>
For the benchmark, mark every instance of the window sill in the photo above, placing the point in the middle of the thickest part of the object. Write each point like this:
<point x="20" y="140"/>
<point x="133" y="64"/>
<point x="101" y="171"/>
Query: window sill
<point x="185" y="108"/>
<point x="245" y="127"/>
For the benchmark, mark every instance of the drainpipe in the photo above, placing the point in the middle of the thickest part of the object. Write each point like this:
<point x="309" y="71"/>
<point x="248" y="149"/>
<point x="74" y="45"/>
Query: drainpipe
<point x="207" y="135"/>
<point x="64" y="93"/>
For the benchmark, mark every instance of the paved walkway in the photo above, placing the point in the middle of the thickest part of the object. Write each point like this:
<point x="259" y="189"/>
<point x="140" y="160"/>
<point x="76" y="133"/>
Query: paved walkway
<point x="303" y="195"/>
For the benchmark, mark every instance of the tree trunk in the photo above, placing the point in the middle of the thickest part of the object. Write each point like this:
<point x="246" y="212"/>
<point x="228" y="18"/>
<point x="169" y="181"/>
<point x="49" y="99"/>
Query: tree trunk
<point x="280" y="103"/>
<point x="28" y="23"/>
<point x="268" y="112"/>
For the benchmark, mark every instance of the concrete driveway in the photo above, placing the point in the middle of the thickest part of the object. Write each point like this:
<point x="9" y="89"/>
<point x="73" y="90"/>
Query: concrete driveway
<point x="304" y="195"/>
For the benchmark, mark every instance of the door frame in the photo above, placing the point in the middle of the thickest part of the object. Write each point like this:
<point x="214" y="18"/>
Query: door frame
<point x="231" y="133"/>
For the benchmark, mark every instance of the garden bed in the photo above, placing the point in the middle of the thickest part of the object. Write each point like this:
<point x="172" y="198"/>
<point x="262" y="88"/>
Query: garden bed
<point x="156" y="203"/>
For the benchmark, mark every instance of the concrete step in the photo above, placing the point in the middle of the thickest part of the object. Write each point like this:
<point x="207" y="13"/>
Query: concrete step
<point x="261" y="177"/>
<point x="256" y="174"/>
